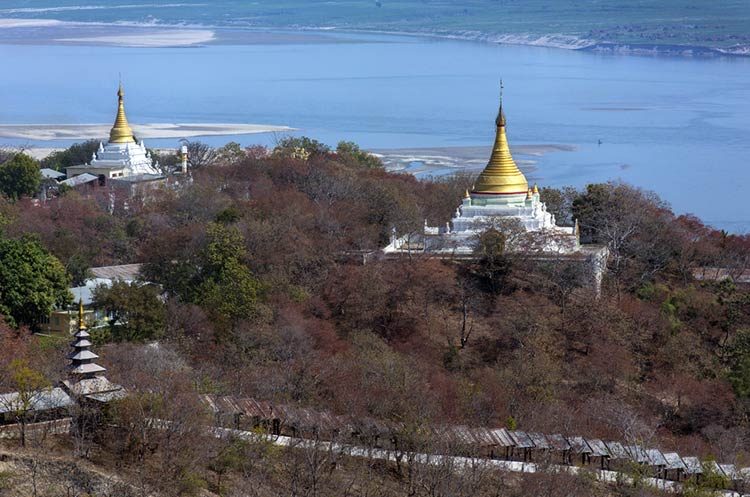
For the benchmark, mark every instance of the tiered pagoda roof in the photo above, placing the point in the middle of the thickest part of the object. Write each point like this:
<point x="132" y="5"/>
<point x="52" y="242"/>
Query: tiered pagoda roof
<point x="82" y="363"/>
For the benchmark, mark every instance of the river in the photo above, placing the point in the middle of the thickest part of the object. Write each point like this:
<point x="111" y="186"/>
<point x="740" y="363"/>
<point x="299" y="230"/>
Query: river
<point x="678" y="126"/>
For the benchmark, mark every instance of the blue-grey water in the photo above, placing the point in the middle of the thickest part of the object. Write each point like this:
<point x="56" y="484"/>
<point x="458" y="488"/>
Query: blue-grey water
<point x="679" y="126"/>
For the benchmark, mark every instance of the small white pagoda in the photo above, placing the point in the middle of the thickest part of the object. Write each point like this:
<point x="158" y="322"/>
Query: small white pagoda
<point x="122" y="156"/>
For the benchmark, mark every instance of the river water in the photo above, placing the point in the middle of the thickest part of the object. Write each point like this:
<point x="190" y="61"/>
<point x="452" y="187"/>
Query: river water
<point x="678" y="126"/>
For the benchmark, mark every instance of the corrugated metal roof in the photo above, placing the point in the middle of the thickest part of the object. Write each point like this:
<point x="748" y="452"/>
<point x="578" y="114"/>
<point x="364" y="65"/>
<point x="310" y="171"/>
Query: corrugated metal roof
<point x="305" y="419"/>
<point x="464" y="434"/>
<point x="598" y="448"/>
<point x="616" y="450"/>
<point x="579" y="445"/>
<point x="674" y="461"/>
<point x="81" y="179"/>
<point x="485" y="437"/>
<point x="42" y="400"/>
<point x="540" y="441"/>
<point x="521" y="439"/>
<point x="730" y="471"/>
<point x="125" y="272"/>
<point x="51" y="173"/>
<point x="656" y="458"/>
<point x="504" y="437"/>
<point x="693" y="465"/>
<point x="637" y="453"/>
<point x="714" y="466"/>
<point x="558" y="442"/>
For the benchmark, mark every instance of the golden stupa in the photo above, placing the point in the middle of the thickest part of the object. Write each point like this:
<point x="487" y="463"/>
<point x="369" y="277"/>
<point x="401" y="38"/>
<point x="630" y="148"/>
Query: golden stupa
<point x="121" y="132"/>
<point x="501" y="176"/>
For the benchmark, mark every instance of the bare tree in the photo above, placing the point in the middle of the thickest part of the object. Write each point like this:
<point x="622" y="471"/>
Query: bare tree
<point x="199" y="154"/>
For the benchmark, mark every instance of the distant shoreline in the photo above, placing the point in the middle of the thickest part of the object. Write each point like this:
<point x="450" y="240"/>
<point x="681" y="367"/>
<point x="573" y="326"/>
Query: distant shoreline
<point x="14" y="31"/>
<point x="564" y="42"/>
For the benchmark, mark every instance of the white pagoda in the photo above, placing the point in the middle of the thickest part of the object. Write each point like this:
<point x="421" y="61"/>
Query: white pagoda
<point x="122" y="156"/>
<point x="501" y="200"/>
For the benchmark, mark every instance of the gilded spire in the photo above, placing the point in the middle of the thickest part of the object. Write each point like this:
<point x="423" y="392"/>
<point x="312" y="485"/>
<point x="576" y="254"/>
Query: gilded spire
<point x="536" y="190"/>
<point x="501" y="176"/>
<point x="466" y="193"/>
<point x="121" y="132"/>
<point x="81" y="322"/>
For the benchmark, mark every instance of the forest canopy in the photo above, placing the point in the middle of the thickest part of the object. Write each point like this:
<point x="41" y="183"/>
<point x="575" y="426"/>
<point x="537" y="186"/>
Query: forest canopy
<point x="264" y="281"/>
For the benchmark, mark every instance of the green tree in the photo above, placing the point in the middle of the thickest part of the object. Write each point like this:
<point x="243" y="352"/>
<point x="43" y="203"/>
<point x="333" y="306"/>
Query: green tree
<point x="165" y="161"/>
<point x="739" y="363"/>
<point x="231" y="153"/>
<point x="32" y="282"/>
<point x="76" y="154"/>
<point x="350" y="153"/>
<point x="291" y="146"/>
<point x="30" y="386"/>
<point x="559" y="201"/>
<point x="229" y="287"/>
<point x="137" y="310"/>
<point x="20" y="176"/>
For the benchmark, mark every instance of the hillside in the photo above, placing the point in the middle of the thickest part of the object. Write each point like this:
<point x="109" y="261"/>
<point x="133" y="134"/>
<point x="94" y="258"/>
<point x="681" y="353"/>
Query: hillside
<point x="267" y="284"/>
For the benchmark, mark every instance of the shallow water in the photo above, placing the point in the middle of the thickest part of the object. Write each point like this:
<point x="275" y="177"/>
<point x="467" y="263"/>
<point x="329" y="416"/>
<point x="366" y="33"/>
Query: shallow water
<point x="679" y="126"/>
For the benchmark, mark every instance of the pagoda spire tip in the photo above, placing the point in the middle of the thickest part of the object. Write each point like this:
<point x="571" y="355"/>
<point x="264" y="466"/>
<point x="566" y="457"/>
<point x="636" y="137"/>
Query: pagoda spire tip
<point x="500" y="120"/>
<point x="81" y="322"/>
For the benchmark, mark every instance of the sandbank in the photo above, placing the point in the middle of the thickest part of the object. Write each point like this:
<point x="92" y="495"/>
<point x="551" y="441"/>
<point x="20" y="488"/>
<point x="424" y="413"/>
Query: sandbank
<point x="152" y="39"/>
<point x="45" y="132"/>
<point x="17" y="31"/>
<point x="447" y="160"/>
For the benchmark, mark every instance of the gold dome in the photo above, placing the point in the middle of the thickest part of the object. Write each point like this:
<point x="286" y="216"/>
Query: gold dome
<point x="121" y="132"/>
<point x="501" y="176"/>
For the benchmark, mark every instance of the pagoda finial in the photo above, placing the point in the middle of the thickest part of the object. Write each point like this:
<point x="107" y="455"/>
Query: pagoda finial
<point x="121" y="132"/>
<point x="501" y="176"/>
<point x="466" y="193"/>
<point x="81" y="322"/>
<point x="536" y="189"/>
<point x="500" y="120"/>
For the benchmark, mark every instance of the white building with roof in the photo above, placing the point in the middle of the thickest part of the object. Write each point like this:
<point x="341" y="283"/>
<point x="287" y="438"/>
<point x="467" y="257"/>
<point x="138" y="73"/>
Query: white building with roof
<point x="122" y="156"/>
